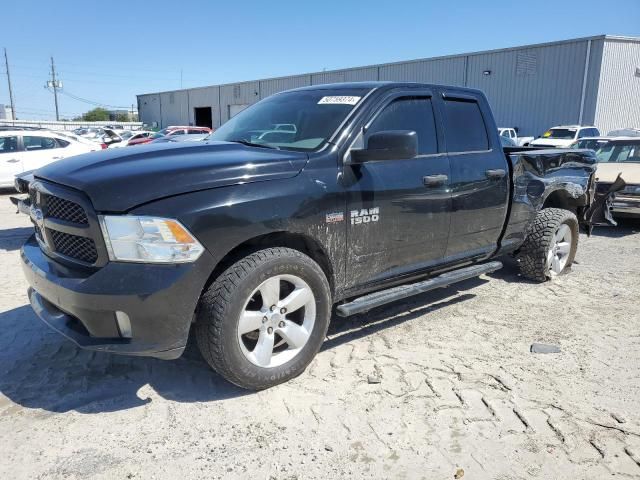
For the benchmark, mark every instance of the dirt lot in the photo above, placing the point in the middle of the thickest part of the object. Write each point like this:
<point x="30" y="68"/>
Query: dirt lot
<point x="459" y="390"/>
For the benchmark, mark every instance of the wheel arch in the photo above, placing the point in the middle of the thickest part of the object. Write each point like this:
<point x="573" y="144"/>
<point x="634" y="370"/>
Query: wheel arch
<point x="296" y="241"/>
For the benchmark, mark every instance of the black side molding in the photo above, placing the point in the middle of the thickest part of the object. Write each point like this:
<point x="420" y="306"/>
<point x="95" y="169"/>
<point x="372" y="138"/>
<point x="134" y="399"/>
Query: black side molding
<point x="376" y="299"/>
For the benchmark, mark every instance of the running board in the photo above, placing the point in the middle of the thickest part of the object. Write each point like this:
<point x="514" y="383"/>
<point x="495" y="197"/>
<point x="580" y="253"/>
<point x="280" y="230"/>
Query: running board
<point x="376" y="299"/>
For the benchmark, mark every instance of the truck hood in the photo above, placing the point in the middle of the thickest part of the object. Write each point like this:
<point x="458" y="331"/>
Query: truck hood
<point x="608" y="172"/>
<point x="120" y="179"/>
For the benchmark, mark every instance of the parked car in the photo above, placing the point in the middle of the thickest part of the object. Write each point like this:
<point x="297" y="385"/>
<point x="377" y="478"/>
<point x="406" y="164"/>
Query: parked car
<point x="621" y="156"/>
<point x="22" y="150"/>
<point x="182" y="130"/>
<point x="377" y="191"/>
<point x="624" y="132"/>
<point x="592" y="143"/>
<point x="563" y="136"/>
<point x="171" y="131"/>
<point x="132" y="137"/>
<point x="181" y="138"/>
<point x="512" y="134"/>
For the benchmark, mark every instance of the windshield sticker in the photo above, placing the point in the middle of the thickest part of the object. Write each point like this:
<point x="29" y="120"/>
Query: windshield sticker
<point x="546" y="134"/>
<point x="339" y="100"/>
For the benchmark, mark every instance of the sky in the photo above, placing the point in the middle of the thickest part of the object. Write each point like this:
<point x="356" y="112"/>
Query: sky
<point x="107" y="52"/>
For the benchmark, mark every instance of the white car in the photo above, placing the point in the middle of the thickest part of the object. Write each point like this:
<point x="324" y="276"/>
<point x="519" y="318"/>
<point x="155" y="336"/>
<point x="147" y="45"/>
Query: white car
<point x="129" y="135"/>
<point x="23" y="150"/>
<point x="564" y="135"/>
<point x="512" y="134"/>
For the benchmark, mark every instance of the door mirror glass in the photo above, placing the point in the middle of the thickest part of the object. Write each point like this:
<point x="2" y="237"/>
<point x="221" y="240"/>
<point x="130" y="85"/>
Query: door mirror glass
<point x="388" y="145"/>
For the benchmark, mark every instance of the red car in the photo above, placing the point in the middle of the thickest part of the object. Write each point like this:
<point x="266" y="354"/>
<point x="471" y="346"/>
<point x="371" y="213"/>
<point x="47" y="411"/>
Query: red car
<point x="171" y="130"/>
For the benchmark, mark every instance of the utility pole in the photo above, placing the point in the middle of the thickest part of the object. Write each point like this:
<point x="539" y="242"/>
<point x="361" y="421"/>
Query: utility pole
<point x="55" y="84"/>
<point x="13" y="105"/>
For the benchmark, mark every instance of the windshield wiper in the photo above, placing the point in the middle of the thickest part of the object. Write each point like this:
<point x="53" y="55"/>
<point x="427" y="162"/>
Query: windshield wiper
<point x="252" y="144"/>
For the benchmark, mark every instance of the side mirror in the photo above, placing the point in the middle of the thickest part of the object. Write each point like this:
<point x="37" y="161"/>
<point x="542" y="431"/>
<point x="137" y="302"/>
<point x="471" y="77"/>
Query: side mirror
<point x="388" y="145"/>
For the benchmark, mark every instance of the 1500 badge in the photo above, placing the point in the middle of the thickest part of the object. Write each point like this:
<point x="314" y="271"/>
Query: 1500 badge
<point x="365" y="215"/>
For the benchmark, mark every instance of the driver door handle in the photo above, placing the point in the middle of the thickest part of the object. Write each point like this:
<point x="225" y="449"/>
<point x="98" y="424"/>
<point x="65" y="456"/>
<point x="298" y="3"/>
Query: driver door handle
<point x="434" y="180"/>
<point x="13" y="160"/>
<point x="495" y="173"/>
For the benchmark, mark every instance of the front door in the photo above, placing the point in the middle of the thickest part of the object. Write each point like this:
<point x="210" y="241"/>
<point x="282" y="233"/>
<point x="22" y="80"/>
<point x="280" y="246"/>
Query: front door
<point x="10" y="160"/>
<point x="398" y="211"/>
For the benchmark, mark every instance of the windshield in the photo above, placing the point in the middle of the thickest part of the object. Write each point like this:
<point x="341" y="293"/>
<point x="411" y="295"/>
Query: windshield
<point x="157" y="135"/>
<point x="561" y="133"/>
<point x="619" y="152"/>
<point x="302" y="120"/>
<point x="590" y="143"/>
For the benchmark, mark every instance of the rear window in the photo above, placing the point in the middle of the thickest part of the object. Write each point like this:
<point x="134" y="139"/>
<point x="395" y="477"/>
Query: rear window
<point x="38" y="143"/>
<point x="465" y="130"/>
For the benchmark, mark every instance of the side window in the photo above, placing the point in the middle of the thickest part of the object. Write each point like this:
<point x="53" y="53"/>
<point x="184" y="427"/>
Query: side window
<point x="191" y="131"/>
<point x="8" y="144"/>
<point x="38" y="143"/>
<point x="465" y="130"/>
<point x="62" y="143"/>
<point x="410" y="113"/>
<point x="583" y="133"/>
<point x="513" y="133"/>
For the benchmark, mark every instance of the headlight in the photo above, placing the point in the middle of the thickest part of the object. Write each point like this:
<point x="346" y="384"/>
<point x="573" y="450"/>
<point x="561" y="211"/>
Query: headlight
<point x="148" y="239"/>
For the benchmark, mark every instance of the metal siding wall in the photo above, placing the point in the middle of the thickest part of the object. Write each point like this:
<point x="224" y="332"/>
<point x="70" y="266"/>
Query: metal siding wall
<point x="205" y="97"/>
<point x="176" y="112"/>
<point x="349" y="75"/>
<point x="149" y="108"/>
<point x="593" y="80"/>
<point x="619" y="92"/>
<point x="238" y="94"/>
<point x="269" y="87"/>
<point x="533" y="102"/>
<point x="448" y="71"/>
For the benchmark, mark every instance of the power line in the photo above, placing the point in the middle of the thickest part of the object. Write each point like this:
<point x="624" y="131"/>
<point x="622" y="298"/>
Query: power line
<point x="91" y="102"/>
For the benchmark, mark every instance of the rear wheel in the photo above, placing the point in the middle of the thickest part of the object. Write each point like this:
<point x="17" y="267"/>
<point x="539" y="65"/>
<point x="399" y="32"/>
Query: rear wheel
<point x="551" y="245"/>
<point x="264" y="319"/>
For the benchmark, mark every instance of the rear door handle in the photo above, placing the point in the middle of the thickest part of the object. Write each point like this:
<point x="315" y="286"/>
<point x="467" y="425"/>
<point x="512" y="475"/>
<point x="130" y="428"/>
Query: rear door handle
<point x="434" y="180"/>
<point x="13" y="160"/>
<point x="495" y="174"/>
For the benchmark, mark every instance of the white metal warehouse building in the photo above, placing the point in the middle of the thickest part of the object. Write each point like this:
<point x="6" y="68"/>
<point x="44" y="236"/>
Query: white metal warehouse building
<point x="589" y="81"/>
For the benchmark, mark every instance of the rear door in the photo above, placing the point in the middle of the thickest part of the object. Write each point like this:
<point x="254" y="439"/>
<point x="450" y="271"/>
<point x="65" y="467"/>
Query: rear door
<point x="40" y="151"/>
<point x="10" y="159"/>
<point x="398" y="210"/>
<point x="479" y="176"/>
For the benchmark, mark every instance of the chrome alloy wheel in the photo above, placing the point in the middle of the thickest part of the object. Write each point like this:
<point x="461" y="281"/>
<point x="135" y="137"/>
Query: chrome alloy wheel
<point x="276" y="321"/>
<point x="559" y="250"/>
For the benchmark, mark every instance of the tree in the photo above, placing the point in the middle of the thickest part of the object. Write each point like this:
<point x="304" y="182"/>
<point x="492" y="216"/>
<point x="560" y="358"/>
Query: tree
<point x="96" y="115"/>
<point x="122" y="117"/>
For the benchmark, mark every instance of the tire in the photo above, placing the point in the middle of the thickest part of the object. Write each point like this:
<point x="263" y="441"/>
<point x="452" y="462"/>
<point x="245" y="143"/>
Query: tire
<point x="242" y="297"/>
<point x="550" y="246"/>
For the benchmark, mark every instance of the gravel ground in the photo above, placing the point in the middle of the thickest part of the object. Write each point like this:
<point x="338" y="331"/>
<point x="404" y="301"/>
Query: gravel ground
<point x="440" y="386"/>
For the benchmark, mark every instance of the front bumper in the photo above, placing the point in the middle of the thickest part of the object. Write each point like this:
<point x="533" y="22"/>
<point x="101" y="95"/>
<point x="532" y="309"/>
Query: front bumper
<point x="158" y="300"/>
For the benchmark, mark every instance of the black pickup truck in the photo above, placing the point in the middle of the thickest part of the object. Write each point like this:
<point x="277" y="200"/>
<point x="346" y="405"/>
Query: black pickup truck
<point x="345" y="195"/>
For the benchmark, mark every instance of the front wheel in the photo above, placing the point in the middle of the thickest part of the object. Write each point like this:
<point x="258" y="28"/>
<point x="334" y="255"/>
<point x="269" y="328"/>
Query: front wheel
<point x="264" y="319"/>
<point x="550" y="246"/>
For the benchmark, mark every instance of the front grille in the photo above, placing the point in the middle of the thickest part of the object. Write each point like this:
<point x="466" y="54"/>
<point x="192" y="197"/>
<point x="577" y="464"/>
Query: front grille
<point x="66" y="226"/>
<point x="66" y="210"/>
<point x="81" y="248"/>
